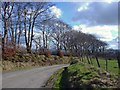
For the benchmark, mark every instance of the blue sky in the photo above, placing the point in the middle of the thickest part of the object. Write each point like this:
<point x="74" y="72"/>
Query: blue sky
<point x="68" y="11"/>
<point x="98" y="18"/>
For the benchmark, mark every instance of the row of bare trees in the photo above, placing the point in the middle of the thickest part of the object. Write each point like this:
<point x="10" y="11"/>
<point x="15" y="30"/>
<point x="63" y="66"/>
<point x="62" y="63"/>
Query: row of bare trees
<point x="20" y="20"/>
<point x="79" y="43"/>
<point x="34" y="24"/>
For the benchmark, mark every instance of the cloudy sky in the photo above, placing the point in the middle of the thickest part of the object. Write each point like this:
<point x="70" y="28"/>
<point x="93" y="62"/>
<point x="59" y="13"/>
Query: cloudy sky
<point x="98" y="18"/>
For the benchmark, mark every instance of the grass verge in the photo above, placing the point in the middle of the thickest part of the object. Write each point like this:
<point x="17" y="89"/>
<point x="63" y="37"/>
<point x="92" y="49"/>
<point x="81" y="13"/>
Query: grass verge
<point x="82" y="76"/>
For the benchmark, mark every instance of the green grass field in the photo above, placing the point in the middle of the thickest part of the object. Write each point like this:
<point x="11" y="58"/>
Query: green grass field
<point x="112" y="65"/>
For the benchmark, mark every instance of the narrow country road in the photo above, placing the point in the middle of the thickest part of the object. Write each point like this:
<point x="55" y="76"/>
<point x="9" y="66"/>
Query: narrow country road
<point x="33" y="78"/>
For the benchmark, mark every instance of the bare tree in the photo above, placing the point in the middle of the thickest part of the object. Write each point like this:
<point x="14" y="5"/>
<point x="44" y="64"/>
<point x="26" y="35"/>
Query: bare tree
<point x="7" y="9"/>
<point x="58" y="29"/>
<point x="36" y="12"/>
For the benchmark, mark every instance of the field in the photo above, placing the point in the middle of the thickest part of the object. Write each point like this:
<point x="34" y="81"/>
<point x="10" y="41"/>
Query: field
<point x="112" y="65"/>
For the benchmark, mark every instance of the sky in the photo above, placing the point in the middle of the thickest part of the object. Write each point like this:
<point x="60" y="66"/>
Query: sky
<point x="97" y="18"/>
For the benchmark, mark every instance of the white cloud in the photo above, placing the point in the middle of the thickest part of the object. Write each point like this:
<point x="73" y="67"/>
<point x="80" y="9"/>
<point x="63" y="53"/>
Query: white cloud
<point x="103" y="32"/>
<point x="77" y="27"/>
<point x="109" y="1"/>
<point x="56" y="11"/>
<point x="113" y="43"/>
<point x="83" y="7"/>
<point x="37" y="34"/>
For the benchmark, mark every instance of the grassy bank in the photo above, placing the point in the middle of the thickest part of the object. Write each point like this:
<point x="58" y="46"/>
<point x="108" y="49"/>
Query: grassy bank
<point x="82" y="76"/>
<point x="19" y="62"/>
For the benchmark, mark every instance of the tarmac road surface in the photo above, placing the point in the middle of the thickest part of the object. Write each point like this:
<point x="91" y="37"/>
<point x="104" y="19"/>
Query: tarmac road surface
<point x="33" y="78"/>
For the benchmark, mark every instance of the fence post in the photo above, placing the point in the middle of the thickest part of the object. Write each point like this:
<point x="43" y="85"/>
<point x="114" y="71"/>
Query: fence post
<point x="118" y="59"/>
<point x="97" y="61"/>
<point x="106" y="64"/>
<point x="88" y="59"/>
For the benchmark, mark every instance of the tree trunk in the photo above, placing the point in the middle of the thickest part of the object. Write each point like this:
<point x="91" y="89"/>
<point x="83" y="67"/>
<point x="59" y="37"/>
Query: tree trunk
<point x="43" y="39"/>
<point x="27" y="44"/>
<point x="5" y="35"/>
<point x="28" y="49"/>
<point x="46" y="42"/>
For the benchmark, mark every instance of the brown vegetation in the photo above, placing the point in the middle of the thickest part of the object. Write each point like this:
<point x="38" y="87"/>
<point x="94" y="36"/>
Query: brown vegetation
<point x="60" y="53"/>
<point x="20" y="61"/>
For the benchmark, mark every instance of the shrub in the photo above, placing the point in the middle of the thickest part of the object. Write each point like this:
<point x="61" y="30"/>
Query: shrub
<point x="9" y="51"/>
<point x="21" y="50"/>
<point x="47" y="53"/>
<point x="56" y="58"/>
<point x="68" y="54"/>
<point x="60" y="53"/>
<point x="41" y="51"/>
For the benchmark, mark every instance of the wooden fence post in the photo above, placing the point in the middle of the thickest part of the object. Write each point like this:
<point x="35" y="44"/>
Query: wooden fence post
<point x="97" y="61"/>
<point x="118" y="59"/>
